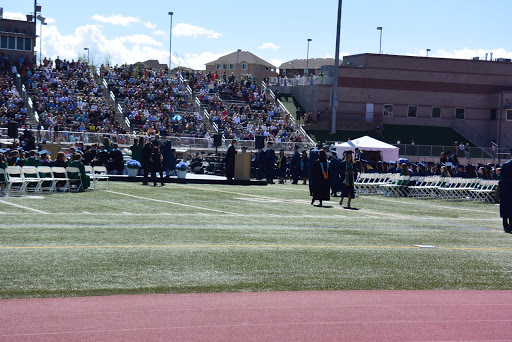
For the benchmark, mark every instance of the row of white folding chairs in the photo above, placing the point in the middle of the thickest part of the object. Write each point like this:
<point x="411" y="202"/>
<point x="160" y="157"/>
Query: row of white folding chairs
<point x="449" y="188"/>
<point x="97" y="174"/>
<point x="30" y="179"/>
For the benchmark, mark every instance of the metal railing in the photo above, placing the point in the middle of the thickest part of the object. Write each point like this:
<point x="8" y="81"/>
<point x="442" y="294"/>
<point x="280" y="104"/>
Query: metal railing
<point x="285" y="110"/>
<point x="68" y="137"/>
<point x="461" y="127"/>
<point x="469" y="153"/>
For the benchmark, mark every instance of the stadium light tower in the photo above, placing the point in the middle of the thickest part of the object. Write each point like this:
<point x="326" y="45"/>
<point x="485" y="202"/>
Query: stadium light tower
<point x="170" y="46"/>
<point x="334" y="93"/>
<point x="41" y="22"/>
<point x="380" y="41"/>
<point x="428" y="50"/>
<point x="87" y="56"/>
<point x="306" y="74"/>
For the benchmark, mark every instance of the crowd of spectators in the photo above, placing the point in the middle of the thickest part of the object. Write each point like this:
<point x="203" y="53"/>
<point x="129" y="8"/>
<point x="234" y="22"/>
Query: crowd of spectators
<point x="12" y="106"/>
<point x="67" y="98"/>
<point x="154" y="103"/>
<point x="241" y="109"/>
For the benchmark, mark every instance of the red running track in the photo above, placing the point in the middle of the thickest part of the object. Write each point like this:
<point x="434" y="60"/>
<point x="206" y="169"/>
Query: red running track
<point x="273" y="316"/>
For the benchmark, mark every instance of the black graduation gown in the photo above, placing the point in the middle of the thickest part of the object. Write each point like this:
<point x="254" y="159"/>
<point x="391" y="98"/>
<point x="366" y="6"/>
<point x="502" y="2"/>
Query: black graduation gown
<point x="320" y="186"/>
<point x="230" y="162"/>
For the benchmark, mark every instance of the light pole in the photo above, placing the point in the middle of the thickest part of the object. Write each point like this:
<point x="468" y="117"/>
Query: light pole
<point x="334" y="95"/>
<point x="87" y="57"/>
<point x="380" y="42"/>
<point x="428" y="50"/>
<point x="237" y="70"/>
<point x="306" y="74"/>
<point x="170" y="46"/>
<point x="41" y="22"/>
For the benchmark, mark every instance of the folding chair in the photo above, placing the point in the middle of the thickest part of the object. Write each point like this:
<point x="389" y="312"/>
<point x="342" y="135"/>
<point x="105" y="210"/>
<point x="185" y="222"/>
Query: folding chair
<point x="101" y="174"/>
<point x="60" y="178"/>
<point x="90" y="172"/>
<point x="31" y="180"/>
<point x="75" y="178"/>
<point x="46" y="178"/>
<point x="14" y="181"/>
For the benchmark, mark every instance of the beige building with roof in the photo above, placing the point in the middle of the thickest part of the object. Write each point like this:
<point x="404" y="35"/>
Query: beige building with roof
<point x="242" y="63"/>
<point x="298" y="67"/>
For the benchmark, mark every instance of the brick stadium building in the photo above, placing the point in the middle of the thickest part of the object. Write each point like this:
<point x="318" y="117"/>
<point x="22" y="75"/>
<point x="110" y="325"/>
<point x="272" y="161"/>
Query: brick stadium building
<point x="242" y="63"/>
<point x="472" y="96"/>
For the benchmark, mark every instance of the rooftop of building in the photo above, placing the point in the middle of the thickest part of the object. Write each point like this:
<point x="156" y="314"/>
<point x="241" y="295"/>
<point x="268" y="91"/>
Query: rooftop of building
<point x="241" y="57"/>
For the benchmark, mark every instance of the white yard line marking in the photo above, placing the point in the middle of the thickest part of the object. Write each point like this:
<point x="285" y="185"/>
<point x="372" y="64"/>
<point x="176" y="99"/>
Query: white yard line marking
<point x="23" y="207"/>
<point x="423" y="204"/>
<point x="173" y="203"/>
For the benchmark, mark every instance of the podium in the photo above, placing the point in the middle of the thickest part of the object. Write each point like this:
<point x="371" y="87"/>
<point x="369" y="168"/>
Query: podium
<point x="243" y="166"/>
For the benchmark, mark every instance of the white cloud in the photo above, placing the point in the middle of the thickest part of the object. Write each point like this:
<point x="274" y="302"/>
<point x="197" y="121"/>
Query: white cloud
<point x="50" y="21"/>
<point x="129" y="49"/>
<point x="150" y="25"/>
<point x="141" y="39"/>
<point x="14" y="16"/>
<point x="268" y="46"/>
<point x="116" y="19"/>
<point x="187" y="30"/>
<point x="160" y="33"/>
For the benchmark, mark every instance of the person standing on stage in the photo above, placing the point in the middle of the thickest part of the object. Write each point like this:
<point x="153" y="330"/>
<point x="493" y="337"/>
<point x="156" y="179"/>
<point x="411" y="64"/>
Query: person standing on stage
<point x="146" y="161"/>
<point x="230" y="160"/>
<point x="506" y="196"/>
<point x="281" y="166"/>
<point x="319" y="185"/>
<point x="295" y="165"/>
<point x="348" y="172"/>
<point x="270" y="163"/>
<point x="156" y="165"/>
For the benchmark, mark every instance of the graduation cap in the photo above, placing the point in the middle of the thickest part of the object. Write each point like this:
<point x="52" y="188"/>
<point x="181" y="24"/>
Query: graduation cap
<point x="43" y="152"/>
<point x="296" y="146"/>
<point x="349" y="153"/>
<point x="2" y="150"/>
<point x="333" y="152"/>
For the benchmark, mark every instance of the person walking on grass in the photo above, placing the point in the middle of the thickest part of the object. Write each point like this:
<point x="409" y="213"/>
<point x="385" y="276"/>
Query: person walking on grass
<point x="348" y="171"/>
<point x="320" y="186"/>
<point x="506" y="196"/>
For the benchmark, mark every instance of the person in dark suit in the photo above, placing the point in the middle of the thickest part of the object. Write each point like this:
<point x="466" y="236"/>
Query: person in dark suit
<point x="295" y="165"/>
<point x="230" y="160"/>
<point x="313" y="156"/>
<point x="167" y="154"/>
<point x="146" y="161"/>
<point x="320" y="186"/>
<point x="281" y="166"/>
<point x="116" y="160"/>
<point x="348" y="172"/>
<point x="506" y="196"/>
<point x="270" y="162"/>
<point x="156" y="165"/>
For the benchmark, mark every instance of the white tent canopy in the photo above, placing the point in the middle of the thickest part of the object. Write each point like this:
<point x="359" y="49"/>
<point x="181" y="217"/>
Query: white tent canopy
<point x="388" y="152"/>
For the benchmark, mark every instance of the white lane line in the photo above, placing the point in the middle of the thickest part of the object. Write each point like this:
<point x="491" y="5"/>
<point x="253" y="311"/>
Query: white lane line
<point x="174" y="203"/>
<point x="23" y="207"/>
<point x="423" y="204"/>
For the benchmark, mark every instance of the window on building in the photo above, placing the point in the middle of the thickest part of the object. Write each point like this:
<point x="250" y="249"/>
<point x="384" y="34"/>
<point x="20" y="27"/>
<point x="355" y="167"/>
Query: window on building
<point x="509" y="114"/>
<point x="257" y="67"/>
<point x="219" y="66"/>
<point x="3" y="42"/>
<point x="244" y="66"/>
<point x="231" y="67"/>
<point x="20" y="43"/>
<point x="412" y="111"/>
<point x="388" y="110"/>
<point x="493" y="114"/>
<point x="225" y="66"/>
<point x="460" y="113"/>
<point x="436" y="112"/>
<point x="12" y="43"/>
<point x="28" y="44"/>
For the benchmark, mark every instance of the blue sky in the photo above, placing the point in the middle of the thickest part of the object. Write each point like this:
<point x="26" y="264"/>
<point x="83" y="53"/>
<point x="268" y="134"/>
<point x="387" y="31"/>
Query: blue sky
<point x="277" y="31"/>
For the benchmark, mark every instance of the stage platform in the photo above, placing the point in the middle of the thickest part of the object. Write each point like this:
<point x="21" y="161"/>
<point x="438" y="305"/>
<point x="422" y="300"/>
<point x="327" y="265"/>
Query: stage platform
<point x="191" y="178"/>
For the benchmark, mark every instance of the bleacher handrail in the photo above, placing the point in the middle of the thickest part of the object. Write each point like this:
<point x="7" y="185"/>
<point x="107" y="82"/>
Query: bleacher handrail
<point x="112" y="96"/>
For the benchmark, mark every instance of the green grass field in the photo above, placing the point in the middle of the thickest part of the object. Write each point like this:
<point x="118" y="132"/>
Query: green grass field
<point x="180" y="238"/>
